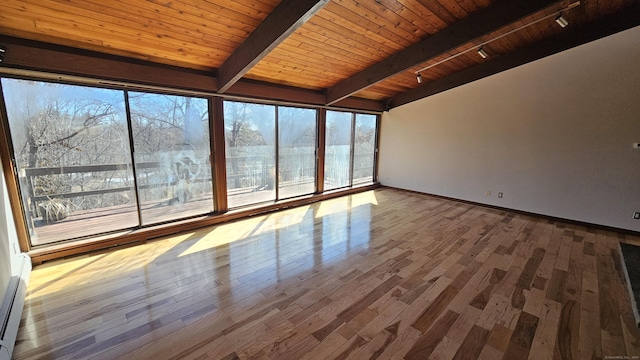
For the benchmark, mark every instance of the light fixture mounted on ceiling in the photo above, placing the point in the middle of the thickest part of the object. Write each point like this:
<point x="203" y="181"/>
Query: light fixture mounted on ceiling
<point x="558" y="18"/>
<point x="561" y="20"/>
<point x="482" y="53"/>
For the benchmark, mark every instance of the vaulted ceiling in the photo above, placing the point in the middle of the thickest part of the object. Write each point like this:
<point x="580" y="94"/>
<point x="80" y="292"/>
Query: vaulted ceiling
<point x="341" y="49"/>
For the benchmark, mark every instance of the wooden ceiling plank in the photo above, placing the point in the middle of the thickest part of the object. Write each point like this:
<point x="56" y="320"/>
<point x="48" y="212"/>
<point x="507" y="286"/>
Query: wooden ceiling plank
<point x="255" y="9"/>
<point x="157" y="52"/>
<point x="368" y="42"/>
<point x="475" y="25"/>
<point x="439" y="10"/>
<point x="624" y="19"/>
<point x="393" y="17"/>
<point x="299" y="66"/>
<point x="9" y="23"/>
<point x="346" y="16"/>
<point x="288" y="16"/>
<point x="312" y="44"/>
<point x="108" y="18"/>
<point x="292" y="78"/>
<point x="53" y="37"/>
<point x="468" y="5"/>
<point x="376" y="19"/>
<point x="154" y="24"/>
<point x="350" y="41"/>
<point x="313" y="63"/>
<point x="429" y="17"/>
<point x="311" y="53"/>
<point x="209" y="12"/>
<point x="408" y="13"/>
<point x="208" y="25"/>
<point x="79" y="28"/>
<point x="454" y="8"/>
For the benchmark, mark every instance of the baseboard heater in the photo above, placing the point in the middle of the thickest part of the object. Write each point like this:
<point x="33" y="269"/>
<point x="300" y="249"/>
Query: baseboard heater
<point x="11" y="307"/>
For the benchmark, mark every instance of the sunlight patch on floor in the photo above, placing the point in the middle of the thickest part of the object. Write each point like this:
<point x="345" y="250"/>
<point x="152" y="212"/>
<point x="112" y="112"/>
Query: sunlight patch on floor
<point x="225" y="234"/>
<point x="346" y="203"/>
<point x="261" y="225"/>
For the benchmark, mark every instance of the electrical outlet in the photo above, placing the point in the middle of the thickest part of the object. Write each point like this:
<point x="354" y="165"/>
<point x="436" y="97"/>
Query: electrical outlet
<point x="488" y="192"/>
<point x="500" y="195"/>
<point x="636" y="215"/>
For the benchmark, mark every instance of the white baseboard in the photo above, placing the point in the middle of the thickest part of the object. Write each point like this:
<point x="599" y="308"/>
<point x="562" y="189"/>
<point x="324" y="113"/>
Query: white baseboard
<point x="11" y="307"/>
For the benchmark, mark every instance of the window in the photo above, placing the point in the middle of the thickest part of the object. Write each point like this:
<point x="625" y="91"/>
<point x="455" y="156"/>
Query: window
<point x="349" y="149"/>
<point x="296" y="151"/>
<point x="269" y="146"/>
<point x="364" y="149"/>
<point x="172" y="155"/>
<point x="337" y="155"/>
<point x="250" y="152"/>
<point x="71" y="147"/>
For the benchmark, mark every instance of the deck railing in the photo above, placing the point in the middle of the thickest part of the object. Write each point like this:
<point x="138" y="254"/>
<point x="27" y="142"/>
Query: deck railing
<point x="259" y="170"/>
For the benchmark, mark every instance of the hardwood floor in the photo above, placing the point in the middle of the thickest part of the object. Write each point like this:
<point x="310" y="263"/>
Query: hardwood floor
<point x="383" y="274"/>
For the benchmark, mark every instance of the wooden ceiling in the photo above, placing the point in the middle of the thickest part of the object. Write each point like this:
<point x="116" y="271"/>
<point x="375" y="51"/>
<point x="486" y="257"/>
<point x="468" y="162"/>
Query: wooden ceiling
<point x="342" y="49"/>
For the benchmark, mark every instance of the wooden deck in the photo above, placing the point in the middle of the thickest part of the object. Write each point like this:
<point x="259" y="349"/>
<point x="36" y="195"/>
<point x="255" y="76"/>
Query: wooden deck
<point x="113" y="218"/>
<point x="382" y="274"/>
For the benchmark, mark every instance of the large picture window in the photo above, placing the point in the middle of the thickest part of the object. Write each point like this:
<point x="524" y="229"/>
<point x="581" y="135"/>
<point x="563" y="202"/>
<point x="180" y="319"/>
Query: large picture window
<point x="337" y="155"/>
<point x="250" y="138"/>
<point x="350" y="149"/>
<point x="296" y="151"/>
<point x="270" y="152"/>
<point x="364" y="148"/>
<point x="172" y="152"/>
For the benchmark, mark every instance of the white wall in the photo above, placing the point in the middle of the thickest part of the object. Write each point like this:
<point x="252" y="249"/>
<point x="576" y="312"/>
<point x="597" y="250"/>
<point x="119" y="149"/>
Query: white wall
<point x="555" y="136"/>
<point x="9" y="248"/>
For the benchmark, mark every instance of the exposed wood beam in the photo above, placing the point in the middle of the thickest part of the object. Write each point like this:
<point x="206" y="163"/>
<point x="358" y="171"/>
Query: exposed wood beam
<point x="571" y="37"/>
<point x="279" y="24"/>
<point x="472" y="27"/>
<point x="38" y="56"/>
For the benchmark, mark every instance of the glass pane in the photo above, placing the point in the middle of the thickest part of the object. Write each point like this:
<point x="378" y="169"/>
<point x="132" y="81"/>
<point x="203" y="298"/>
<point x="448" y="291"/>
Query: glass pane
<point x="71" y="145"/>
<point x="297" y="151"/>
<point x="250" y="151"/>
<point x="337" y="150"/>
<point x="364" y="149"/>
<point x="171" y="148"/>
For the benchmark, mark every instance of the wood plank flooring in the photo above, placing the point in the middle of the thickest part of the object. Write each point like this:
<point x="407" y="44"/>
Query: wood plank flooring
<point x="384" y="274"/>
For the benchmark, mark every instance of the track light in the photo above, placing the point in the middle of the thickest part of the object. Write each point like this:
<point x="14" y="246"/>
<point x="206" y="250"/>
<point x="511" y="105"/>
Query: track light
<point x="558" y="18"/>
<point x="482" y="53"/>
<point x="561" y="20"/>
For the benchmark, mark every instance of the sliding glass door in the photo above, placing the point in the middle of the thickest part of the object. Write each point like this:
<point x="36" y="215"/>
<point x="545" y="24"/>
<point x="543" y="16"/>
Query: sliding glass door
<point x="337" y="155"/>
<point x="271" y="152"/>
<point x="364" y="146"/>
<point x="73" y="151"/>
<point x="296" y="151"/>
<point x="250" y="138"/>
<point x="72" y="154"/>
<point x="172" y="156"/>
<point x="350" y="149"/>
